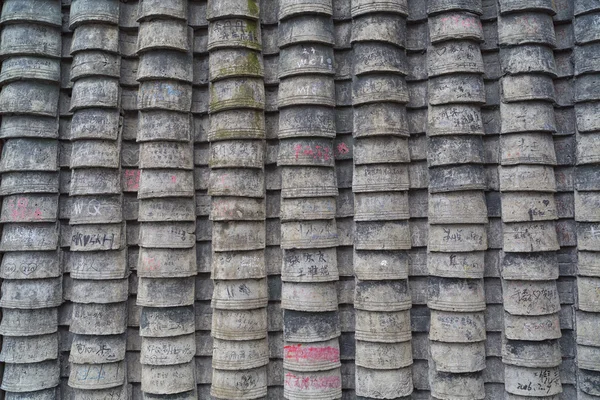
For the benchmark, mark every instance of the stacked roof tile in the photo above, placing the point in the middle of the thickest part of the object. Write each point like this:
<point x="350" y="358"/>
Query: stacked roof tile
<point x="329" y="199"/>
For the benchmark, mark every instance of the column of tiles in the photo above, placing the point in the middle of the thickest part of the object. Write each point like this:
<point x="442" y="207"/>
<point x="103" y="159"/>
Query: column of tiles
<point x="457" y="212"/>
<point x="530" y="351"/>
<point x="382" y="298"/>
<point x="343" y="153"/>
<point x="417" y="42"/>
<point x="166" y="266"/>
<point x="98" y="257"/>
<point x="566" y="227"/>
<point x="490" y="114"/>
<point x="237" y="189"/>
<point x="204" y="285"/>
<point x="30" y="269"/>
<point x="309" y="275"/>
<point x="65" y="337"/>
<point x="269" y="19"/>
<point x="130" y="181"/>
<point x="587" y="195"/>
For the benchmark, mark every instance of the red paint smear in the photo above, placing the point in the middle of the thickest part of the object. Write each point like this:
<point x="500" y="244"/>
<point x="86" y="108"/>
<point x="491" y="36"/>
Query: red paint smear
<point x="298" y="352"/>
<point x="317" y="152"/>
<point x="458" y="20"/>
<point x="19" y="210"/>
<point x="151" y="263"/>
<point x="132" y="179"/>
<point x="342" y="148"/>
